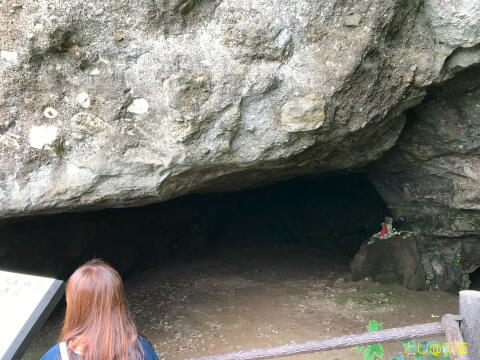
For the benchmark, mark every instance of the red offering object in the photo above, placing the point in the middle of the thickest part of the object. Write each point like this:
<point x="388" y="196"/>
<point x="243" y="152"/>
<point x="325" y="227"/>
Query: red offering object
<point x="384" y="230"/>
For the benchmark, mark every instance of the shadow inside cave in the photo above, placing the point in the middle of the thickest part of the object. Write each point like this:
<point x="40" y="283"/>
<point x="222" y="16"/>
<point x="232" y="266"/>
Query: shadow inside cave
<point x="335" y="212"/>
<point x="475" y="280"/>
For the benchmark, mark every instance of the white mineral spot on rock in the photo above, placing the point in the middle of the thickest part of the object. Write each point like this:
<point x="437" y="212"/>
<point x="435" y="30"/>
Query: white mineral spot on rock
<point x="9" y="57"/>
<point x="94" y="72"/>
<point x="303" y="113"/>
<point x="43" y="137"/>
<point x="83" y="100"/>
<point x="50" y="112"/>
<point x="138" y="106"/>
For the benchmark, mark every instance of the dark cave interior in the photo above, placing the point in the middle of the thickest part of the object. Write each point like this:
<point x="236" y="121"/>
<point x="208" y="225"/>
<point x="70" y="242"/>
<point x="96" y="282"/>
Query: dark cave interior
<point x="475" y="280"/>
<point x="335" y="212"/>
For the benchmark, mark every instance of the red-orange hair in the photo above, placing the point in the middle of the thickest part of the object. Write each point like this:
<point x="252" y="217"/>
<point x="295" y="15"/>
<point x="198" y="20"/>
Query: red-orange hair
<point x="97" y="323"/>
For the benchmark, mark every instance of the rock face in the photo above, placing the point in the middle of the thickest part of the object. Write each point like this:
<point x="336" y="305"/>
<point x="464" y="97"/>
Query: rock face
<point x="431" y="179"/>
<point x="454" y="22"/>
<point x="121" y="103"/>
<point x="392" y="260"/>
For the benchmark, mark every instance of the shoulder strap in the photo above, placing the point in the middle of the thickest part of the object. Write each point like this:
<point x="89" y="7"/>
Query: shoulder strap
<point x="64" y="351"/>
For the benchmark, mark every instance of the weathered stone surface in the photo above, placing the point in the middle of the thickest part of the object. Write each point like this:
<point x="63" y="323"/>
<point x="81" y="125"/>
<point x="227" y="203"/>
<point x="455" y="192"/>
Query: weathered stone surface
<point x="303" y="114"/>
<point x="460" y="60"/>
<point x="392" y="260"/>
<point x="155" y="99"/>
<point x="353" y="19"/>
<point x="432" y="173"/>
<point x="455" y="22"/>
<point x="431" y="178"/>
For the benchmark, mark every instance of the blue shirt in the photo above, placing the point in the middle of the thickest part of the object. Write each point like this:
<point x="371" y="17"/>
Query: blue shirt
<point x="54" y="352"/>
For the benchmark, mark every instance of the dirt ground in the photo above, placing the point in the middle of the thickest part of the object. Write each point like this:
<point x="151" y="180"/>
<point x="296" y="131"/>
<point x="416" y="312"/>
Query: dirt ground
<point x="239" y="298"/>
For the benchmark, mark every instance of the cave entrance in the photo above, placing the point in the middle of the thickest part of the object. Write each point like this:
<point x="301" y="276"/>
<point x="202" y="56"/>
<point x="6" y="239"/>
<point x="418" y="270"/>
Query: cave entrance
<point x="214" y="273"/>
<point x="334" y="214"/>
<point x="475" y="279"/>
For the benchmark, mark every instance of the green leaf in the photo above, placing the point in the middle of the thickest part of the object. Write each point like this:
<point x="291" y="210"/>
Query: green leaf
<point x="377" y="350"/>
<point x="369" y="354"/>
<point x="374" y="325"/>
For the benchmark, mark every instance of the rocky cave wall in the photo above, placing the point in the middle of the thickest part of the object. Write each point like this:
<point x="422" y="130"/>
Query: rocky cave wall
<point x="125" y="103"/>
<point x="431" y="179"/>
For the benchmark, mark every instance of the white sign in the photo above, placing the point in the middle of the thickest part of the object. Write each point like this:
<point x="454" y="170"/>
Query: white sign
<point x="25" y="303"/>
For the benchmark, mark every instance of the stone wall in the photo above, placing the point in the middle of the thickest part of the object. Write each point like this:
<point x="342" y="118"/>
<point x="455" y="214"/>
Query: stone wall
<point x="431" y="178"/>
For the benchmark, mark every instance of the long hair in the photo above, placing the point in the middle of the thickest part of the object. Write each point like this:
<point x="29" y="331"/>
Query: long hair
<point x="97" y="323"/>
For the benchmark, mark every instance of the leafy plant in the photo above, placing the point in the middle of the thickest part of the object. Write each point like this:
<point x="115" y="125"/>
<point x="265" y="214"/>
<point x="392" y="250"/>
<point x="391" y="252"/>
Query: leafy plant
<point x="457" y="259"/>
<point x="371" y="352"/>
<point x="421" y="351"/>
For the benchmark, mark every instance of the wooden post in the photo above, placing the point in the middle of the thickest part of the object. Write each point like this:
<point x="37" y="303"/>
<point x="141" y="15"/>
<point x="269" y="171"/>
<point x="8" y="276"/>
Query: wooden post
<point x="470" y="325"/>
<point x="453" y="335"/>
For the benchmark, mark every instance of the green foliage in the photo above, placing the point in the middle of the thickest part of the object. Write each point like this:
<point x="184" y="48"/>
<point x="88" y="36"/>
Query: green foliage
<point x="457" y="259"/>
<point x="374" y="325"/>
<point x="371" y="352"/>
<point x="425" y="350"/>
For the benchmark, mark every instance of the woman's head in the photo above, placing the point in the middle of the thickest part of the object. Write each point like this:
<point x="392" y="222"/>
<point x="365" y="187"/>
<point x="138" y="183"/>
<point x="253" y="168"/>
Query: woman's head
<point x="97" y="322"/>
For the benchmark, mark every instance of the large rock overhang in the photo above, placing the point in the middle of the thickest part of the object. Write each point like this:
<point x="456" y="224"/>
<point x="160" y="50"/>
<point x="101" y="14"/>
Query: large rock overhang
<point x="128" y="103"/>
